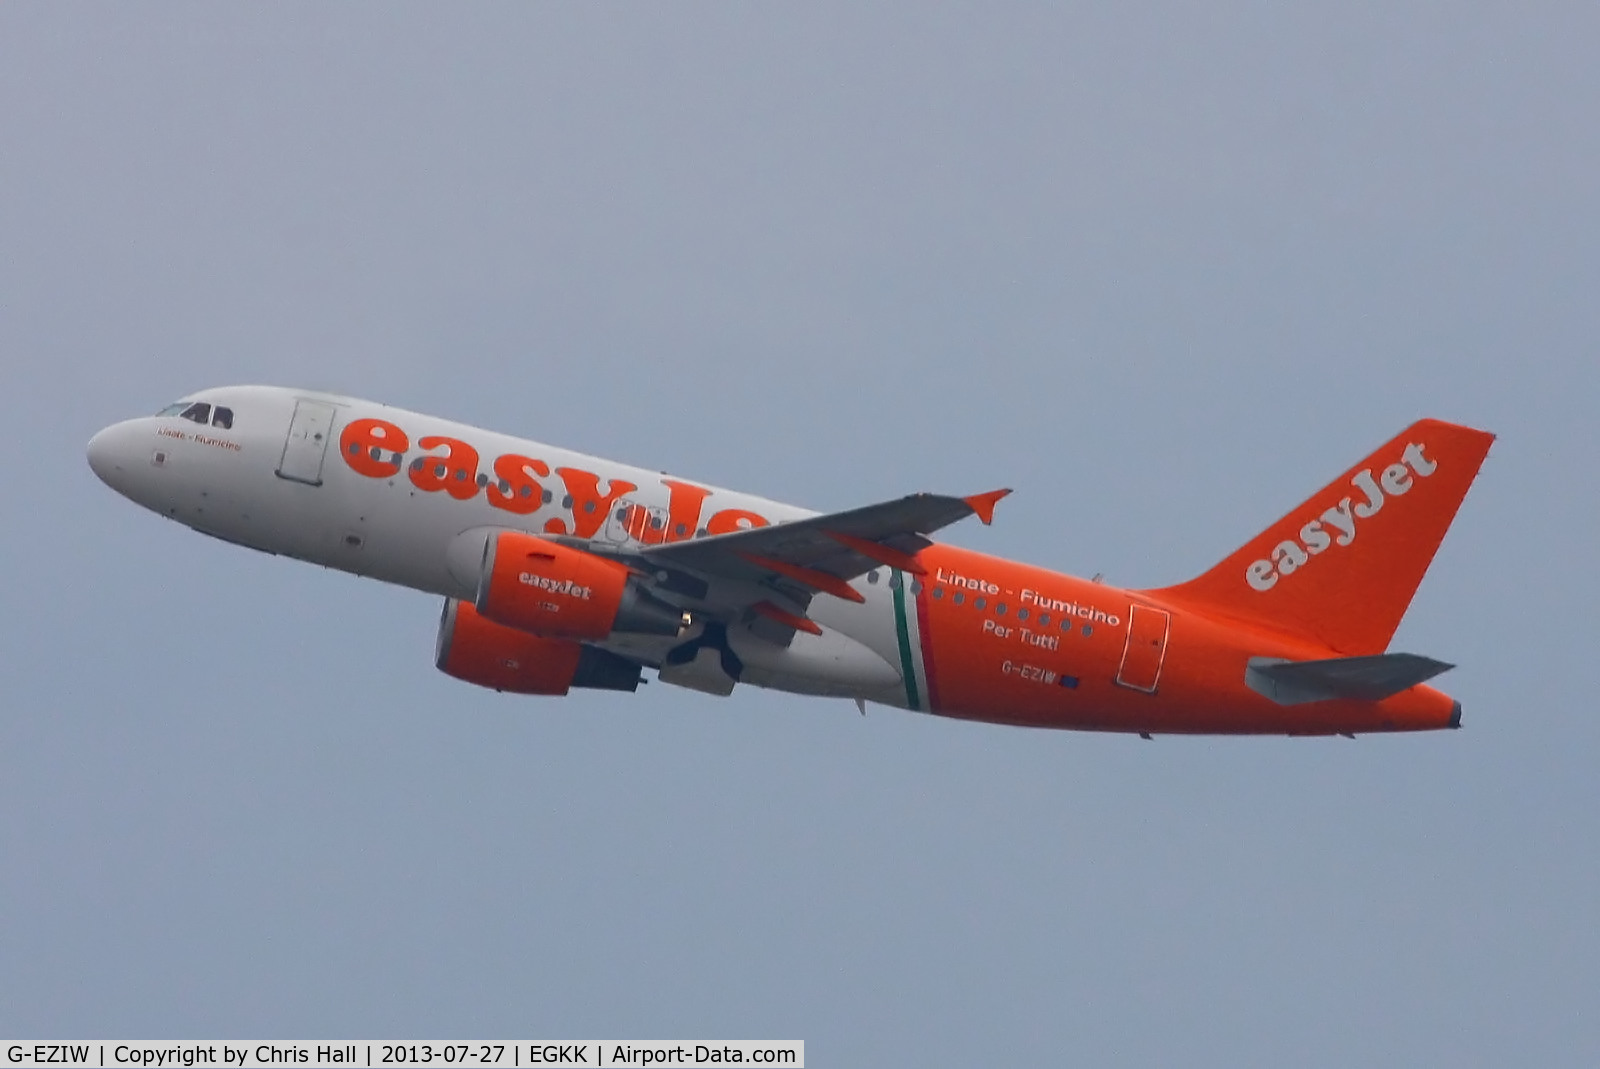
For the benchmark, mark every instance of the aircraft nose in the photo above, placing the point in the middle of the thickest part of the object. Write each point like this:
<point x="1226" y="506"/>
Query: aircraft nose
<point x="109" y="453"/>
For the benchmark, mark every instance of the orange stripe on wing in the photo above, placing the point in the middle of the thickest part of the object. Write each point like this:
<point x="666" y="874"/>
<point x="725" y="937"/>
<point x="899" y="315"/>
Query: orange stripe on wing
<point x="879" y="552"/>
<point x="789" y="619"/>
<point x="828" y="584"/>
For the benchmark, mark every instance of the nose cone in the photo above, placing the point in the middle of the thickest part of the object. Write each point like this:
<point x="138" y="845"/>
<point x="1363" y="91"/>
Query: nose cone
<point x="111" y="455"/>
<point x="100" y="455"/>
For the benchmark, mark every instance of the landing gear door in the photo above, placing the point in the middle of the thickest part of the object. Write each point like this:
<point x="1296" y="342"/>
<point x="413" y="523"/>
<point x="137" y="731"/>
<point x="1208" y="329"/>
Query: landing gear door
<point x="1145" y="649"/>
<point x="307" y="442"/>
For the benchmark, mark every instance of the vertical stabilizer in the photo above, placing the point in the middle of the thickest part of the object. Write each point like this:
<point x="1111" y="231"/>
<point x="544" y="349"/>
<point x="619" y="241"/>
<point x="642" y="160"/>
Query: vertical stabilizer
<point x="1342" y="567"/>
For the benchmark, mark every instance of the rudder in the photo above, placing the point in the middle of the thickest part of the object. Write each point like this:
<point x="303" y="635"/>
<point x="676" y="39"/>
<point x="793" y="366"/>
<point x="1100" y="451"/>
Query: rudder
<point x="1343" y="566"/>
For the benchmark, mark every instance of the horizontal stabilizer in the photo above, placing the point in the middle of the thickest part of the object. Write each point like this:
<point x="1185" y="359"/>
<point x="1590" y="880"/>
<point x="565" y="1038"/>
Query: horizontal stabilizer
<point x="1369" y="679"/>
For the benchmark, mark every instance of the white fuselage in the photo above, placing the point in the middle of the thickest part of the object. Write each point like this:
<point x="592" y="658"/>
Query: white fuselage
<point x="277" y="480"/>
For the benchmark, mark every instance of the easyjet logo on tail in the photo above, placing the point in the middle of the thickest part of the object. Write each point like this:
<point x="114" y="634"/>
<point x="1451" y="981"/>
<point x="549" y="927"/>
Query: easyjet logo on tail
<point x="1337" y="525"/>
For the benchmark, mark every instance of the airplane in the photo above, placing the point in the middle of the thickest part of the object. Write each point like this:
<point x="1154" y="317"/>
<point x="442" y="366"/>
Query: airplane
<point x="561" y="571"/>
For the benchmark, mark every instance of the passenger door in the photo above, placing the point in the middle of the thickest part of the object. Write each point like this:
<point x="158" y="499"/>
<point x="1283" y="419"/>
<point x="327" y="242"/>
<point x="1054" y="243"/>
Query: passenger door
<point x="306" y="445"/>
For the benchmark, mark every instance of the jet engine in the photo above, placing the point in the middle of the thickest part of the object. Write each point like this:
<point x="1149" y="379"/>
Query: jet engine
<point x="533" y="584"/>
<point x="480" y="651"/>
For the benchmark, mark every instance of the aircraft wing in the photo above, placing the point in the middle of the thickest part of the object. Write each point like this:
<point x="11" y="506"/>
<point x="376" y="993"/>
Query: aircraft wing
<point x="839" y="544"/>
<point x="819" y="554"/>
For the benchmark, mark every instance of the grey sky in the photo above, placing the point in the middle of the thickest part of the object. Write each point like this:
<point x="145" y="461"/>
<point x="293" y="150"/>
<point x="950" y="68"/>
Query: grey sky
<point x="1165" y="270"/>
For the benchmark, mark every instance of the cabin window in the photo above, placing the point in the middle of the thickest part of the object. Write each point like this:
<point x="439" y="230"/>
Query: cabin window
<point x="916" y="586"/>
<point x="1022" y="614"/>
<point x="1000" y="609"/>
<point x="1044" y="619"/>
<point x="872" y="576"/>
<point x="1087" y="630"/>
<point x="979" y="603"/>
<point x="938" y="593"/>
<point x="959" y="597"/>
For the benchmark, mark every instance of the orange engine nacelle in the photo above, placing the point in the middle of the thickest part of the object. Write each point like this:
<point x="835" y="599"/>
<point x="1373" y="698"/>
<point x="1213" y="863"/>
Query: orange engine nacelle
<point x="483" y="652"/>
<point x="533" y="584"/>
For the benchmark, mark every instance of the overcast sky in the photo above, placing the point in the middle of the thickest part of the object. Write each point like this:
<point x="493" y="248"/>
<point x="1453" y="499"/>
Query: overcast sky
<point x="1163" y="269"/>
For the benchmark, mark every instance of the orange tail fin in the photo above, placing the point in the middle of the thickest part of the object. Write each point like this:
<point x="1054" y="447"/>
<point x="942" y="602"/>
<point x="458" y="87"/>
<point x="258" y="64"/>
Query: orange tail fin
<point x="1342" y="567"/>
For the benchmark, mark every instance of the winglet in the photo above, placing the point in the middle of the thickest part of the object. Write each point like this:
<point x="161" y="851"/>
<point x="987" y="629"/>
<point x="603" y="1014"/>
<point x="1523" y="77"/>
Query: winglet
<point x="983" y="504"/>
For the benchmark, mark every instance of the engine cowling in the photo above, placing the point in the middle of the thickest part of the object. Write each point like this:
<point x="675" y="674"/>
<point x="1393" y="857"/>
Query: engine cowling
<point x="479" y="651"/>
<point x="536" y="585"/>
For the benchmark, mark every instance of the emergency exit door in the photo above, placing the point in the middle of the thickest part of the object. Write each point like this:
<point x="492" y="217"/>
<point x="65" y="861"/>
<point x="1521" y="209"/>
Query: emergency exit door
<point x="1146" y="648"/>
<point x="307" y="442"/>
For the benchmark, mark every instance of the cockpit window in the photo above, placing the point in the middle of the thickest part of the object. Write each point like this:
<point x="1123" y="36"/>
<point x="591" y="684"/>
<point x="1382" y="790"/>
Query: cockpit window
<point x="200" y="412"/>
